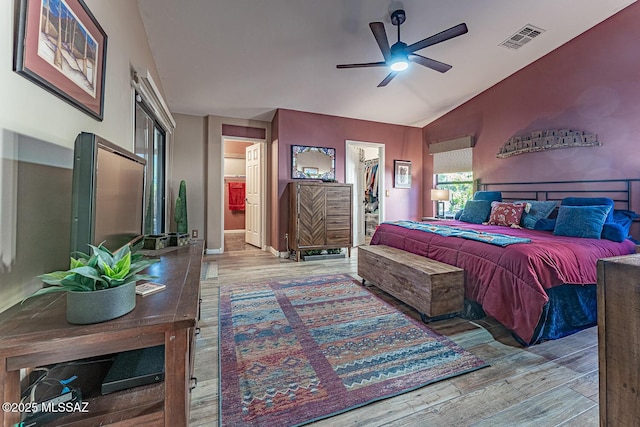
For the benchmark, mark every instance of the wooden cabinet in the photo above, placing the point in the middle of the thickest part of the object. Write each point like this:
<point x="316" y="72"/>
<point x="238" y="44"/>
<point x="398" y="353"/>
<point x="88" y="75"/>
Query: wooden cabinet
<point x="36" y="333"/>
<point x="619" y="340"/>
<point x="320" y="216"/>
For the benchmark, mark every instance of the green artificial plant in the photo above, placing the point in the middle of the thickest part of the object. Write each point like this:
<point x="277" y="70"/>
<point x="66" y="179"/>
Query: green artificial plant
<point x="181" y="209"/>
<point x="100" y="270"/>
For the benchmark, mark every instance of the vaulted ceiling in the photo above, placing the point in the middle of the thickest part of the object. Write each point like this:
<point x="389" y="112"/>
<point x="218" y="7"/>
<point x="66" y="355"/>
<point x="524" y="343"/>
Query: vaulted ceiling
<point x="246" y="58"/>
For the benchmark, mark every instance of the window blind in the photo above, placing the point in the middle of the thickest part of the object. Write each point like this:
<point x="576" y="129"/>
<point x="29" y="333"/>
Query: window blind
<point x="148" y="91"/>
<point x="453" y="161"/>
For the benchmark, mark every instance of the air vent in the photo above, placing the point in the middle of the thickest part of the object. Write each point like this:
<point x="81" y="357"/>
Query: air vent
<point x="522" y="37"/>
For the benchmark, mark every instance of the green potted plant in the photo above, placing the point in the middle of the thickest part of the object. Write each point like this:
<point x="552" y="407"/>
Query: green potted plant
<point x="100" y="286"/>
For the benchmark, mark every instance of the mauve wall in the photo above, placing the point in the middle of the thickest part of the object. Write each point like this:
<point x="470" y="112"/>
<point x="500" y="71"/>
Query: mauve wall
<point x="401" y="142"/>
<point x="591" y="83"/>
<point x="243" y="131"/>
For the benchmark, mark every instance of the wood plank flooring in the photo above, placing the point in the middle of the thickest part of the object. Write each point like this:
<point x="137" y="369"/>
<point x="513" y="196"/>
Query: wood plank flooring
<point x="550" y="384"/>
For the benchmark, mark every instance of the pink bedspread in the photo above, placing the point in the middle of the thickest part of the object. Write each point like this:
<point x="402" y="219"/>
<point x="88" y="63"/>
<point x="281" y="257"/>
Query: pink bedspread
<point x="509" y="282"/>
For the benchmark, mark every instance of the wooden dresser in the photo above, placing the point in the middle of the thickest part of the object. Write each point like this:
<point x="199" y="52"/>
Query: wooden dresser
<point x="320" y="216"/>
<point x="37" y="333"/>
<point x="619" y="340"/>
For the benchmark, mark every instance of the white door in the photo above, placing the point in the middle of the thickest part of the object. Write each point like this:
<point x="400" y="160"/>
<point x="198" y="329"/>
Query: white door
<point x="253" y="207"/>
<point x="354" y="174"/>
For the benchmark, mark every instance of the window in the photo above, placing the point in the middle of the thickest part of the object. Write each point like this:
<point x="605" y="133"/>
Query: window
<point x="453" y="172"/>
<point x="460" y="186"/>
<point x="150" y="144"/>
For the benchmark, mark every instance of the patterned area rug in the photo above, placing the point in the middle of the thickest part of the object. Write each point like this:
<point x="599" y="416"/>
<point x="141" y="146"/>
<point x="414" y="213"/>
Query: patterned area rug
<point x="295" y="351"/>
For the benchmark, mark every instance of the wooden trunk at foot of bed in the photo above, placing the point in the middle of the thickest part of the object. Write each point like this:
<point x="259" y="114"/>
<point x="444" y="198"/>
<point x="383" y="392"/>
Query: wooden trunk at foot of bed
<point x="433" y="288"/>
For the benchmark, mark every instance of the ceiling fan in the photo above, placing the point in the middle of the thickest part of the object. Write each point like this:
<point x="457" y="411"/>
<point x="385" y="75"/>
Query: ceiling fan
<point x="397" y="56"/>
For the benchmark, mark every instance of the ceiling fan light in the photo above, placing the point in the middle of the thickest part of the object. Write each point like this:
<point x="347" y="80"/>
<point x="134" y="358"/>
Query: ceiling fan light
<point x="399" y="64"/>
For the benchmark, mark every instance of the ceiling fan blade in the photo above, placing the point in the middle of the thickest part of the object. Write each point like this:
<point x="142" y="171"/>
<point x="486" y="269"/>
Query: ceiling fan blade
<point x="430" y="63"/>
<point x="445" y="35"/>
<point x="363" y="65"/>
<point x="387" y="79"/>
<point x="377" y="28"/>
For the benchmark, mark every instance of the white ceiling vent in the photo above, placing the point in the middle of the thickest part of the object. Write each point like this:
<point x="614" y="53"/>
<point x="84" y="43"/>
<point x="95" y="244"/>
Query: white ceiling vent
<point x="522" y="37"/>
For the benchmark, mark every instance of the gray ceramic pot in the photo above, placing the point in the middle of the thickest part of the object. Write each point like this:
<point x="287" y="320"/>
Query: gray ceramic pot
<point x="99" y="306"/>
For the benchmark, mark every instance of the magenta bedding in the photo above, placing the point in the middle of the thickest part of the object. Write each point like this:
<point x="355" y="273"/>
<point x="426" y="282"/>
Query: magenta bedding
<point x="509" y="282"/>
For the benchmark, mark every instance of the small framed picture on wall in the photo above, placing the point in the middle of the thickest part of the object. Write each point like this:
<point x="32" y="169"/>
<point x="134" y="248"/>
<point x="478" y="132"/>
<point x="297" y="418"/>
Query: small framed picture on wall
<point x="402" y="173"/>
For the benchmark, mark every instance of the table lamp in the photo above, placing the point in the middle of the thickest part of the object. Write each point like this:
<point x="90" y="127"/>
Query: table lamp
<point x="439" y="196"/>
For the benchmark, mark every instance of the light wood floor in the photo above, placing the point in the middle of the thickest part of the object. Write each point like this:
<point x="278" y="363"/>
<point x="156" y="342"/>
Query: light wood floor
<point x="550" y="384"/>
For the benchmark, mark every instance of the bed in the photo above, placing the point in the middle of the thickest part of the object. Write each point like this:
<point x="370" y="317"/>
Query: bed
<point x="540" y="290"/>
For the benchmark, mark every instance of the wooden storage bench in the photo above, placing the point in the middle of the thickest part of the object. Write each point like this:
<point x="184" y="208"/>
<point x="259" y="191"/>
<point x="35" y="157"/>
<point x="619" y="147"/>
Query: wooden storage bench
<point x="433" y="288"/>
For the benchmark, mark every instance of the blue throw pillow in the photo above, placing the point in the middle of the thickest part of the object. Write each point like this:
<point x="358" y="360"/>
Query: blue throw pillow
<point x="476" y="211"/>
<point x="581" y="221"/>
<point x="545" y="224"/>
<point x="590" y="201"/>
<point x="624" y="218"/>
<point x="537" y="210"/>
<point x="614" y="232"/>
<point x="492" y="196"/>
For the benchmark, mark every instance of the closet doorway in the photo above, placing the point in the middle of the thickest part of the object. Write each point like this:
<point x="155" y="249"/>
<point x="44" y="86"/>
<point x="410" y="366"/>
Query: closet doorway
<point x="364" y="168"/>
<point x="243" y="193"/>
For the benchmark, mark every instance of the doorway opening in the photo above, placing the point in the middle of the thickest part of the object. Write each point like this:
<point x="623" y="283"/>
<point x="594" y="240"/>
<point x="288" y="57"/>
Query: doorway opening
<point x="244" y="168"/>
<point x="364" y="168"/>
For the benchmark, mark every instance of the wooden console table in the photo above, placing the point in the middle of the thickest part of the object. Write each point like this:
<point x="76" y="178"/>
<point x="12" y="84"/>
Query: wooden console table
<point x="37" y="333"/>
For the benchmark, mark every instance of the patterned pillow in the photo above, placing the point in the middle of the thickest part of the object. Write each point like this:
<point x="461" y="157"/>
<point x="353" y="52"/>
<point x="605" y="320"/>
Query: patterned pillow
<point x="506" y="214"/>
<point x="476" y="211"/>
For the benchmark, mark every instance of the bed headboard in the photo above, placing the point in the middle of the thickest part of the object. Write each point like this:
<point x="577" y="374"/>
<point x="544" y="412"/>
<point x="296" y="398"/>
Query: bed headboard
<point x="624" y="192"/>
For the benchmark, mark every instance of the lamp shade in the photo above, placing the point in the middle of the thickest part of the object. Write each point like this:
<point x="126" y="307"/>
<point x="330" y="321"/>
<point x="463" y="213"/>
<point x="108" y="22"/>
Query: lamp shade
<point x="439" y="195"/>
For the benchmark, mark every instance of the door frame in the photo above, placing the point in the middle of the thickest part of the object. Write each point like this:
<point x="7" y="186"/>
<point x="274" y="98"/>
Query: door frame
<point x="263" y="186"/>
<point x="350" y="178"/>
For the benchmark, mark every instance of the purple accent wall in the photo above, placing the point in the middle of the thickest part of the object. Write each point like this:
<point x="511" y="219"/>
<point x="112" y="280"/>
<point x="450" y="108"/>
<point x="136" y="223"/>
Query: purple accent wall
<point x="591" y="83"/>
<point x="302" y="128"/>
<point x="243" y="131"/>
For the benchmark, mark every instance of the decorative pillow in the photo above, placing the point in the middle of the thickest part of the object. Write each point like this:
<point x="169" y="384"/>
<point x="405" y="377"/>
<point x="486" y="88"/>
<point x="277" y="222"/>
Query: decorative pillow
<point x="624" y="218"/>
<point x="590" y="201"/>
<point x="537" y="210"/>
<point x="581" y="221"/>
<point x="506" y="214"/>
<point x="545" y="224"/>
<point x="492" y="196"/>
<point x="614" y="232"/>
<point x="476" y="211"/>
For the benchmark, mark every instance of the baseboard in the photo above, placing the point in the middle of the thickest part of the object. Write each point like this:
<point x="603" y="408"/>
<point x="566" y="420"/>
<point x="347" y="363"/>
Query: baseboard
<point x="234" y="231"/>
<point x="213" y="251"/>
<point x="278" y="253"/>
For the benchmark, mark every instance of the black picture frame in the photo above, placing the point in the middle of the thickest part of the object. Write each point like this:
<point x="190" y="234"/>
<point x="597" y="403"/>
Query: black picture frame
<point x="402" y="173"/>
<point x="60" y="46"/>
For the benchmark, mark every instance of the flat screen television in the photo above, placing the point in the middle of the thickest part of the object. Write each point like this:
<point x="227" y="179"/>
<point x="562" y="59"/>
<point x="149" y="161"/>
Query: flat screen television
<point x="107" y="195"/>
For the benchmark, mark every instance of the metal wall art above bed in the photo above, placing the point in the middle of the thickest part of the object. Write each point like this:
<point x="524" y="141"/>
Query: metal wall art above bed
<point x="546" y="140"/>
